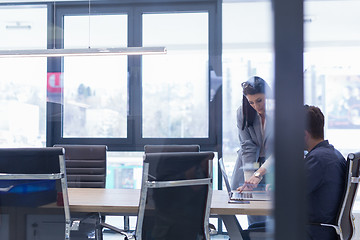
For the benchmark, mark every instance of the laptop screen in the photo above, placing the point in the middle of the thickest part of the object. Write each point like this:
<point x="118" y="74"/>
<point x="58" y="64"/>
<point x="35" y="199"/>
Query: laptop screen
<point x="225" y="177"/>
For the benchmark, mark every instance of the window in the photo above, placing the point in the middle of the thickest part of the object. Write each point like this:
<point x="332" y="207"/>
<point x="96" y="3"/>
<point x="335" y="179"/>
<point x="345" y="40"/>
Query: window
<point x="129" y="101"/>
<point x="23" y="81"/>
<point x="95" y="88"/>
<point x="175" y="88"/>
<point x="126" y="102"/>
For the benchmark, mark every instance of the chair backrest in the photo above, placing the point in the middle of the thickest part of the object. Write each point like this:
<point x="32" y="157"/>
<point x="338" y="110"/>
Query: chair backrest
<point x="31" y="178"/>
<point x="85" y="165"/>
<point x="171" y="148"/>
<point x="175" y="196"/>
<point x="345" y="218"/>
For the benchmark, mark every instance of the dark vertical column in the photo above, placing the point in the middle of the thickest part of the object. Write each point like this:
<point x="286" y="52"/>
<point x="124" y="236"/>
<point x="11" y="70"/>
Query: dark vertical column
<point x="215" y="77"/>
<point x="136" y="78"/>
<point x="290" y="202"/>
<point x="54" y="98"/>
<point x="133" y="76"/>
<point x="215" y="89"/>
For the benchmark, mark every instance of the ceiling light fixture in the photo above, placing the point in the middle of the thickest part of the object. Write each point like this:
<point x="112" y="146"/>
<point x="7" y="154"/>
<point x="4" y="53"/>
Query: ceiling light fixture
<point x="89" y="51"/>
<point x="83" y="52"/>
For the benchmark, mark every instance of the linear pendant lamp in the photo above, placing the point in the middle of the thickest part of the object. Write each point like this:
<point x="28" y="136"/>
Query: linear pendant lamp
<point x="83" y="52"/>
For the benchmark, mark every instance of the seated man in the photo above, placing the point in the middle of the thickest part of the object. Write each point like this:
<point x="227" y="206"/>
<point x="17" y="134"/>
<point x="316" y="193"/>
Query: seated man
<point x="325" y="171"/>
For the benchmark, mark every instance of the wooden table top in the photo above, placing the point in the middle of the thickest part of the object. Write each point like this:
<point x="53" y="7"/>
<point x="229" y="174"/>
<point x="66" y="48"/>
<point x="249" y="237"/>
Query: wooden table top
<point x="126" y="201"/>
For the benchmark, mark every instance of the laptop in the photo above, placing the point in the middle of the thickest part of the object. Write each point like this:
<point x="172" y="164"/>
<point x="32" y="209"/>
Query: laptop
<point x="237" y="197"/>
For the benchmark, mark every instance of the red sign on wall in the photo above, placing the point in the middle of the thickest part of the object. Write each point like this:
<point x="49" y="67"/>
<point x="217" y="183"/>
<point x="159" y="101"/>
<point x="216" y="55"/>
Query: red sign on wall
<point x="54" y="82"/>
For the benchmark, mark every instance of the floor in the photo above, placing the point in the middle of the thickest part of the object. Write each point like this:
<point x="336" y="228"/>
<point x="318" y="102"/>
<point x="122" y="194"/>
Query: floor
<point x="113" y="236"/>
<point x="119" y="222"/>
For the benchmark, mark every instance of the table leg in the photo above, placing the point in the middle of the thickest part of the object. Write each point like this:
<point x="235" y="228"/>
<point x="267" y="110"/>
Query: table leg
<point x="232" y="226"/>
<point x="126" y="223"/>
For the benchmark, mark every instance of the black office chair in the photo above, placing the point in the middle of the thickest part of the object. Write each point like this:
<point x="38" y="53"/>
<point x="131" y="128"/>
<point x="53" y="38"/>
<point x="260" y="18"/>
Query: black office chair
<point x="175" y="148"/>
<point x="30" y="179"/>
<point x="86" y="168"/>
<point x="85" y="165"/>
<point x="344" y="225"/>
<point x="171" y="148"/>
<point x="175" y="197"/>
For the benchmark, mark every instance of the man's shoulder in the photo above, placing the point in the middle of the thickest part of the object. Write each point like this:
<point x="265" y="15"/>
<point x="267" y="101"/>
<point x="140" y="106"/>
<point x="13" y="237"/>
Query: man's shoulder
<point x="327" y="153"/>
<point x="339" y="155"/>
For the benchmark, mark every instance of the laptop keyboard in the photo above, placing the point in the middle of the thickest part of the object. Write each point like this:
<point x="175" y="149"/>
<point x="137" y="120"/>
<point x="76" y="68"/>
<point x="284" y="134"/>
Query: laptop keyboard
<point x="242" y="195"/>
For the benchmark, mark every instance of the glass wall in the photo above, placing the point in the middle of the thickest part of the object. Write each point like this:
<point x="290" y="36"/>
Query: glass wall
<point x="109" y="99"/>
<point x="247" y="51"/>
<point x="332" y="71"/>
<point x="23" y="80"/>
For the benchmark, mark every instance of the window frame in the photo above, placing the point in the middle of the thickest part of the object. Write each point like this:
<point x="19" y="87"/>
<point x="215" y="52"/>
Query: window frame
<point x="134" y="140"/>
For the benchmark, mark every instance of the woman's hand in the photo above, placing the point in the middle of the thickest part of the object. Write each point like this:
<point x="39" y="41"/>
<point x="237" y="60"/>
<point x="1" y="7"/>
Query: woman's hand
<point x="253" y="181"/>
<point x="249" y="184"/>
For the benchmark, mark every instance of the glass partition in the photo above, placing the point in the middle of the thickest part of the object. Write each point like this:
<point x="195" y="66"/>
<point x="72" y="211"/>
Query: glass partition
<point x="23" y="81"/>
<point x="332" y="71"/>
<point x="247" y="52"/>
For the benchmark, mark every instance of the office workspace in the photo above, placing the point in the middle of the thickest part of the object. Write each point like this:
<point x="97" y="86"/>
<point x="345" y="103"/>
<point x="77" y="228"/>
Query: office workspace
<point x="127" y="202"/>
<point x="123" y="202"/>
<point x="189" y="95"/>
<point x="164" y="169"/>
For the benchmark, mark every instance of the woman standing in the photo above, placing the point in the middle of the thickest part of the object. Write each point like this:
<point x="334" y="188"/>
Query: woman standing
<point x="255" y="128"/>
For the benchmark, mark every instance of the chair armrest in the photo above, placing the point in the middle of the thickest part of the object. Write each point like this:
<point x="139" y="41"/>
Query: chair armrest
<point x="337" y="228"/>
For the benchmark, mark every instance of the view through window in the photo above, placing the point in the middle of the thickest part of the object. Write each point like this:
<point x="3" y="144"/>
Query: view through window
<point x="23" y="81"/>
<point x="175" y="90"/>
<point x="331" y="71"/>
<point x="95" y="87"/>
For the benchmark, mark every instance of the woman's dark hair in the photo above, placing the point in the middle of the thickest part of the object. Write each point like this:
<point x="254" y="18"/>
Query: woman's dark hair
<point x="252" y="86"/>
<point x="314" y="121"/>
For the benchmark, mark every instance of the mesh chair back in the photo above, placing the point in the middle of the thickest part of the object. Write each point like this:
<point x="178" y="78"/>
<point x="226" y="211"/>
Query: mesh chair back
<point x="171" y="148"/>
<point x="345" y="217"/>
<point x="171" y="205"/>
<point x="85" y="165"/>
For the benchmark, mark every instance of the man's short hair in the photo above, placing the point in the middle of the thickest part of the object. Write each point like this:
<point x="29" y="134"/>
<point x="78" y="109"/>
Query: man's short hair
<point x="314" y="121"/>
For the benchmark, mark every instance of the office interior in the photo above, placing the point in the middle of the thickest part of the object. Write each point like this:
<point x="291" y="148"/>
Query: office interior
<point x="188" y="95"/>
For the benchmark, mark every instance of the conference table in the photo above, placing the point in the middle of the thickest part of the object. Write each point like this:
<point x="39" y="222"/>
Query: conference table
<point x="124" y="202"/>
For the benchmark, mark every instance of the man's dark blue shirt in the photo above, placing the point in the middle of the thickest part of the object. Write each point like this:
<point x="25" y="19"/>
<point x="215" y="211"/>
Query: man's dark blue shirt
<point x="325" y="169"/>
